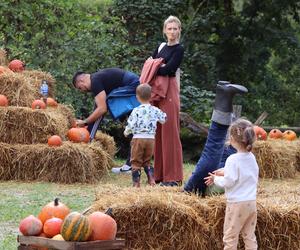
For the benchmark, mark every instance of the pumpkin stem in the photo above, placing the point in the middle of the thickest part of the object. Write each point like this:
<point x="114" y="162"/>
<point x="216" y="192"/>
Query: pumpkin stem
<point x="56" y="201"/>
<point x="87" y="210"/>
<point x="109" y="211"/>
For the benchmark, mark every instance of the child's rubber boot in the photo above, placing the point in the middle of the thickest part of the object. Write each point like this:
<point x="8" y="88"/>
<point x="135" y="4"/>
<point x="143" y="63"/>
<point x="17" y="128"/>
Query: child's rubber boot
<point x="150" y="175"/>
<point x="136" y="178"/>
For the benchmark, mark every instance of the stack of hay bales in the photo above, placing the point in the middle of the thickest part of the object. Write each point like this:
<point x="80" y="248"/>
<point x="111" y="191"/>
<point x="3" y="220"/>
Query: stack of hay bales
<point x="24" y="152"/>
<point x="277" y="158"/>
<point x="165" y="218"/>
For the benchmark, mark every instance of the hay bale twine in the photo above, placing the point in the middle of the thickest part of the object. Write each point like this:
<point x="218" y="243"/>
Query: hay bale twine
<point x="69" y="163"/>
<point x="18" y="89"/>
<point x="26" y="126"/>
<point x="36" y="77"/>
<point x="107" y="142"/>
<point x="152" y="219"/>
<point x="276" y="158"/>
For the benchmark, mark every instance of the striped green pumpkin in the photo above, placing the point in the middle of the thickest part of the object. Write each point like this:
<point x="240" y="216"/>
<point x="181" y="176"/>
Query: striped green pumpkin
<point x="76" y="227"/>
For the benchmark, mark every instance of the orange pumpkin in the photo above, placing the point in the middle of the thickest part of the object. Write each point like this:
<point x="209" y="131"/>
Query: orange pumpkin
<point x="54" y="209"/>
<point x="42" y="235"/>
<point x="38" y="104"/>
<point x="16" y="65"/>
<point x="275" y="134"/>
<point x="3" y="101"/>
<point x="51" y="102"/>
<point x="104" y="227"/>
<point x="76" y="135"/>
<point x="86" y="135"/>
<point x="289" y="135"/>
<point x="55" y="141"/>
<point x="52" y="226"/>
<point x="31" y="226"/>
<point x="261" y="134"/>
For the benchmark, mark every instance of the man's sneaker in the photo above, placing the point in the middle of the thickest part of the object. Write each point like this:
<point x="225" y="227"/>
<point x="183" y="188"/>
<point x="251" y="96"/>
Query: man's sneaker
<point x="124" y="169"/>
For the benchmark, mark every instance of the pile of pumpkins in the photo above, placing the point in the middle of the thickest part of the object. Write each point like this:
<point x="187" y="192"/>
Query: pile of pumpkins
<point x="57" y="222"/>
<point x="275" y="133"/>
<point x="75" y="134"/>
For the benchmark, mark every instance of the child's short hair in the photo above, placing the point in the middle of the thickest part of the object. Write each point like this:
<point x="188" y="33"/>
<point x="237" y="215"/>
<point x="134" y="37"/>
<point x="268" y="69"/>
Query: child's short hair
<point x="144" y="91"/>
<point x="243" y="133"/>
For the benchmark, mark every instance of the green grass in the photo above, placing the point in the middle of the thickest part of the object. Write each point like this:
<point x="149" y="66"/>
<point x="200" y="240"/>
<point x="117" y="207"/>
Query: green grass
<point x="20" y="199"/>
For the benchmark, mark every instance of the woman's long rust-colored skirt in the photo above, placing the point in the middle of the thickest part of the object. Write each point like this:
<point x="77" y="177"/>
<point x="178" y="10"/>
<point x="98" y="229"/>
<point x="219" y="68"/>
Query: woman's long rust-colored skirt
<point x="168" y="162"/>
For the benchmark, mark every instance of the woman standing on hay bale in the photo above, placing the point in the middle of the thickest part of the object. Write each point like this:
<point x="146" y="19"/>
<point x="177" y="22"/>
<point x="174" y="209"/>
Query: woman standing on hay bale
<point x="239" y="178"/>
<point x="214" y="147"/>
<point x="168" y="161"/>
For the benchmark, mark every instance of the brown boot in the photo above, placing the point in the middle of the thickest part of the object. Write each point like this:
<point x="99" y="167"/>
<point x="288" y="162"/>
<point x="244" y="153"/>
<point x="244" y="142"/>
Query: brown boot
<point x="150" y="175"/>
<point x="136" y="178"/>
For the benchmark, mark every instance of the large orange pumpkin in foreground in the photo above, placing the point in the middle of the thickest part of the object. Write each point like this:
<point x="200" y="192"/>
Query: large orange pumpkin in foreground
<point x="54" y="141"/>
<point x="289" y="135"/>
<point x="16" y="65"/>
<point x="104" y="227"/>
<point x="38" y="104"/>
<point x="3" y="101"/>
<point x="54" y="209"/>
<point x="76" y="227"/>
<point x="261" y="134"/>
<point x="275" y="134"/>
<point x="30" y="226"/>
<point x="52" y="226"/>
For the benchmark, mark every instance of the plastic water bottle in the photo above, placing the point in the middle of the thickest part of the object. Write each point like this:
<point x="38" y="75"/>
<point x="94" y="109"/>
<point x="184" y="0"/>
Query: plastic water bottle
<point x="44" y="91"/>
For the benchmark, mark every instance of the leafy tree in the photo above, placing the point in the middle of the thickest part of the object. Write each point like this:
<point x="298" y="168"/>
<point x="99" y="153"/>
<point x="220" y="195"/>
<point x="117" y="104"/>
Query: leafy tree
<point x="225" y="40"/>
<point x="62" y="37"/>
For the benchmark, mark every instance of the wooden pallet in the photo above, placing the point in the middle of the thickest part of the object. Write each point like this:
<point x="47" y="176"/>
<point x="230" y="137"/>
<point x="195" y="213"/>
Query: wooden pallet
<point x="38" y="243"/>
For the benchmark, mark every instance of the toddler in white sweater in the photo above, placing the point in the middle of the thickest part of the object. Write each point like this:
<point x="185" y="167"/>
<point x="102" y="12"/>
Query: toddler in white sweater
<point x="239" y="178"/>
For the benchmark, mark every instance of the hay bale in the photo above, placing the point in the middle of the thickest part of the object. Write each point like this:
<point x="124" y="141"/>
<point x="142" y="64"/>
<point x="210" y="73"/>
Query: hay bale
<point x="18" y="89"/>
<point x="276" y="158"/>
<point x="26" y="126"/>
<point x="107" y="142"/>
<point x="151" y="219"/>
<point x="163" y="213"/>
<point x="23" y="88"/>
<point x="36" y="77"/>
<point x="69" y="163"/>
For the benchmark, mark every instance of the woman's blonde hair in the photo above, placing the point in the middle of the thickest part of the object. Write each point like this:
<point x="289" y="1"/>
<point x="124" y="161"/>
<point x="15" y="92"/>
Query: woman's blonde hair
<point x="172" y="19"/>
